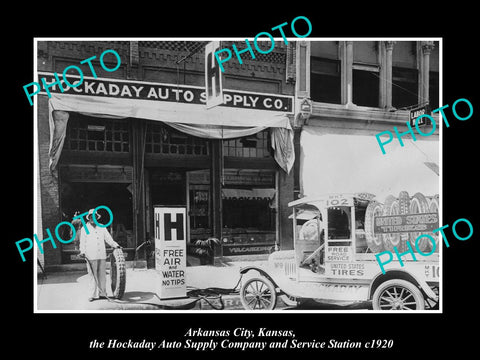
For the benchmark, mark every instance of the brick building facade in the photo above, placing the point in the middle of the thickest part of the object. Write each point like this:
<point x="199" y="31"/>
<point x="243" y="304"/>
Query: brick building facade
<point x="125" y="161"/>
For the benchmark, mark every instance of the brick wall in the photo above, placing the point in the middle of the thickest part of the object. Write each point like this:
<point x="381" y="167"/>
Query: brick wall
<point x="49" y="190"/>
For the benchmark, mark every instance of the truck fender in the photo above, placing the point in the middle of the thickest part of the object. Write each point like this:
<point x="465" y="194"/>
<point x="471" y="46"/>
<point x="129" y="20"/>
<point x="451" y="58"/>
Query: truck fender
<point x="246" y="269"/>
<point x="401" y="274"/>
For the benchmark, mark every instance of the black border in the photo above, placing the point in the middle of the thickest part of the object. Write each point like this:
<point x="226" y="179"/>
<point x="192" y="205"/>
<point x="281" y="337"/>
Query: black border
<point x="59" y="335"/>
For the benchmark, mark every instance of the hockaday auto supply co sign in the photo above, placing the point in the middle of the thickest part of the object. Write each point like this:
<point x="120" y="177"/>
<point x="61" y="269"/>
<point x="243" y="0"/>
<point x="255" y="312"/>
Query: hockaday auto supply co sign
<point x="140" y="90"/>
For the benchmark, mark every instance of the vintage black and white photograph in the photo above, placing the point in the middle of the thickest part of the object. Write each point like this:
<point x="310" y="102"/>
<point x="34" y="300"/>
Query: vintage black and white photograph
<point x="262" y="175"/>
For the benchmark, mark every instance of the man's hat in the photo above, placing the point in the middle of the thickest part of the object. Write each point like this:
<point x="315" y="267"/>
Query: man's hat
<point x="90" y="212"/>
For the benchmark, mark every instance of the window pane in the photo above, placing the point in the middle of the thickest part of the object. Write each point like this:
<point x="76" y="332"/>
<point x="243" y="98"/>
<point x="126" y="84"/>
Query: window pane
<point x="405" y="87"/>
<point x="248" y="201"/>
<point x="325" y="81"/>
<point x="434" y="90"/>
<point x="365" y="52"/>
<point x="365" y="88"/>
<point x="85" y="133"/>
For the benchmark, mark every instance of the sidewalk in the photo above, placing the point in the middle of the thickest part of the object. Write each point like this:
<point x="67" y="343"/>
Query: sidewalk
<point x="67" y="290"/>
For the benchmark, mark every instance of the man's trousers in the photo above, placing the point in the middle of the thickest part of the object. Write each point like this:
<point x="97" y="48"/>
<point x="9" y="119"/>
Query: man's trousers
<point x="97" y="271"/>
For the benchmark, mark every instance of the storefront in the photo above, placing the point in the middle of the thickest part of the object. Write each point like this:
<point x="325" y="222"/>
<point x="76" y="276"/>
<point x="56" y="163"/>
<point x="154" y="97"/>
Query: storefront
<point x="142" y="146"/>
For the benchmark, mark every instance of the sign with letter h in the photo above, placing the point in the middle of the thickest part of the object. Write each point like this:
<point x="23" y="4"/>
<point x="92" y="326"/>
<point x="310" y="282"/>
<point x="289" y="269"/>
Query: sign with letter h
<point x="170" y="251"/>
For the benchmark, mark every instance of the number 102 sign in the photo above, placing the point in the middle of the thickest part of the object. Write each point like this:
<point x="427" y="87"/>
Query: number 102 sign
<point x="339" y="200"/>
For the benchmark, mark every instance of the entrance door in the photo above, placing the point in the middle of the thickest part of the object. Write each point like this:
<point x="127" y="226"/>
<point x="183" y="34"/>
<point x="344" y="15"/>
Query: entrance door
<point x="199" y="205"/>
<point x="84" y="187"/>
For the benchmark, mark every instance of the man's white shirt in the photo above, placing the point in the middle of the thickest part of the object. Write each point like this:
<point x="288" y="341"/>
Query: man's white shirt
<point x="93" y="243"/>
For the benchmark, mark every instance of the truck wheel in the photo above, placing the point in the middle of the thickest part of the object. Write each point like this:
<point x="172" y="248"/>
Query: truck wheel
<point x="374" y="242"/>
<point x="258" y="293"/>
<point x="390" y="207"/>
<point x="398" y="294"/>
<point x="419" y="205"/>
<point x="118" y="273"/>
<point x="432" y="304"/>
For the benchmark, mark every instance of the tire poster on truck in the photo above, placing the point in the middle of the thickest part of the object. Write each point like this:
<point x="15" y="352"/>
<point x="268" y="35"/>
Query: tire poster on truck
<point x="217" y="180"/>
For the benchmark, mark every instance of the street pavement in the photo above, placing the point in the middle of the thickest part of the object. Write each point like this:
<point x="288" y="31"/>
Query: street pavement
<point x="67" y="291"/>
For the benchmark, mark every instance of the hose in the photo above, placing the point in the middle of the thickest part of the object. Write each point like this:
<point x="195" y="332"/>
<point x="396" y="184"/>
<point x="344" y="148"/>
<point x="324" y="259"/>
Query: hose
<point x="207" y="294"/>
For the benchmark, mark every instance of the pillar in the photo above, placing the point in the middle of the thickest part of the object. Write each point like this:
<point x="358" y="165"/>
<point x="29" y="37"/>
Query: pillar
<point x="423" y="94"/>
<point x="347" y="72"/>
<point x="285" y="191"/>
<point x="216" y="174"/>
<point x="388" y="73"/>
<point x="138" y="198"/>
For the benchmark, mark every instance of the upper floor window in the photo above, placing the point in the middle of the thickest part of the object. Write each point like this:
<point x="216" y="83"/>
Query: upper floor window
<point x="325" y="79"/>
<point x="405" y="75"/>
<point x="366" y="79"/>
<point x="434" y="76"/>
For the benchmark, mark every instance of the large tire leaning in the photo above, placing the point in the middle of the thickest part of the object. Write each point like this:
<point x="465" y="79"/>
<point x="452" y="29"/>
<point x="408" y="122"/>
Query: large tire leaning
<point x="390" y="207"/>
<point x="433" y="206"/>
<point x="404" y="207"/>
<point x="419" y="205"/>
<point x="118" y="273"/>
<point x="258" y="293"/>
<point x="374" y="242"/>
<point x="398" y="294"/>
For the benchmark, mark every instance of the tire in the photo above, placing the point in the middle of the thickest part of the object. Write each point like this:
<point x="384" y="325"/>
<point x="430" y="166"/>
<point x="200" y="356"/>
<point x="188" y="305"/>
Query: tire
<point x="374" y="242"/>
<point x="398" y="294"/>
<point x="118" y="273"/>
<point x="404" y="207"/>
<point x="419" y="205"/>
<point x="258" y="293"/>
<point x="390" y="207"/>
<point x="433" y="206"/>
<point x="431" y="304"/>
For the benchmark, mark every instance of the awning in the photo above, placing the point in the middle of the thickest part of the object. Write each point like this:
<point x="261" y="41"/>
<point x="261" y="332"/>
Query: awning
<point x="194" y="119"/>
<point x="334" y="162"/>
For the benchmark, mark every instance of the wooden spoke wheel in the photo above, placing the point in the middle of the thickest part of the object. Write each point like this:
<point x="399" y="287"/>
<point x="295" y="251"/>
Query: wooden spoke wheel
<point x="398" y="294"/>
<point x="258" y="294"/>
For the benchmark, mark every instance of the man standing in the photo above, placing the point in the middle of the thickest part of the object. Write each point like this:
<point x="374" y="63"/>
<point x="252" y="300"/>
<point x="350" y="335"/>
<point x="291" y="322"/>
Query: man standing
<point x="92" y="246"/>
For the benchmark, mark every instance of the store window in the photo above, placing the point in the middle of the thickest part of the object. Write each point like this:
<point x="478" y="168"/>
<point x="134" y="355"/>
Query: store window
<point x="249" y="211"/>
<point x="366" y="79"/>
<point x="252" y="146"/>
<point x="162" y="139"/>
<point x="85" y="133"/>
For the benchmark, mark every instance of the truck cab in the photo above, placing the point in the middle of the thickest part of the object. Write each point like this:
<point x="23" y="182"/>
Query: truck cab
<point x="333" y="261"/>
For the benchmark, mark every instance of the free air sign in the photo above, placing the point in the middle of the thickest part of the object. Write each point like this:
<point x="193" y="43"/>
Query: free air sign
<point x="213" y="76"/>
<point x="170" y="251"/>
